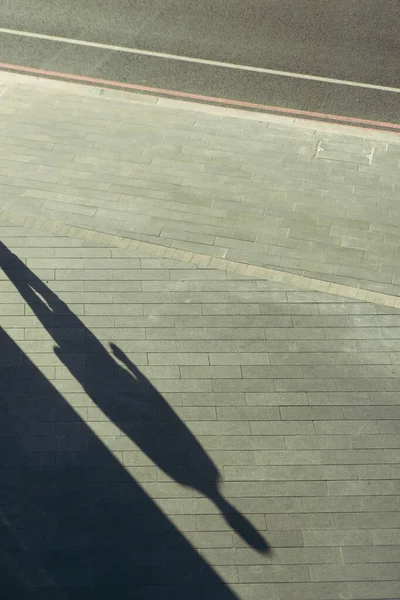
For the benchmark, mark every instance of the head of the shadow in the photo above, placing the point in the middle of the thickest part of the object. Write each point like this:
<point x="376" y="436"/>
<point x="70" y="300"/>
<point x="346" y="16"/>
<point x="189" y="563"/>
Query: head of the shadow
<point x="243" y="527"/>
<point x="178" y="453"/>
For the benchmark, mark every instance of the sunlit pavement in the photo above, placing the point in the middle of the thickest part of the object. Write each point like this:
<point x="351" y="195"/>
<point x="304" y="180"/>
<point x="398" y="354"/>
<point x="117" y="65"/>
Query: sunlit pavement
<point x="191" y="406"/>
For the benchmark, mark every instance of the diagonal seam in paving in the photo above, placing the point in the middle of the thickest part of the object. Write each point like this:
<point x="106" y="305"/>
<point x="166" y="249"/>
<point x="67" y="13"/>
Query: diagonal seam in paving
<point x="203" y="260"/>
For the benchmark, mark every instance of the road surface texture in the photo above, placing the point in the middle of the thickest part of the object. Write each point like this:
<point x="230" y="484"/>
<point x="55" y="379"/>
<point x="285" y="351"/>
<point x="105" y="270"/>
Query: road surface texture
<point x="200" y="352"/>
<point x="340" y="40"/>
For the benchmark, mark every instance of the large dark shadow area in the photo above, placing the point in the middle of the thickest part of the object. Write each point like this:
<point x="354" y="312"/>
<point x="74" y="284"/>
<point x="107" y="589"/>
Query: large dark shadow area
<point x="73" y="522"/>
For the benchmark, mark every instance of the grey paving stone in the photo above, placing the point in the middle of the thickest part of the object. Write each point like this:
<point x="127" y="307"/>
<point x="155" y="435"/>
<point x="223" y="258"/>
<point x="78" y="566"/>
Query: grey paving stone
<point x="340" y="538"/>
<point x="305" y="385"/>
<point x="294" y="333"/>
<point x="181" y="385"/>
<point x="371" y="412"/>
<point x="275" y="372"/>
<point x="313" y="591"/>
<point x="348" y="504"/>
<point x="368" y="520"/>
<point x="320" y="297"/>
<point x="210" y="372"/>
<point x="317" y="442"/>
<point x="372" y="441"/>
<point x="282" y="428"/>
<point x="355" y="427"/>
<point x="220" y="428"/>
<point x="242" y="385"/>
<point x="374" y="554"/>
<point x="178" y="359"/>
<point x="276" y="399"/>
<point x="339" y="398"/>
<point x="306" y="555"/>
<point x="112" y="286"/>
<point x="287" y="309"/>
<point x="146" y="321"/>
<point x="303" y="358"/>
<point x="359" y="333"/>
<point x="293" y="488"/>
<point x="385" y="537"/>
<point x="248" y="414"/>
<point x="239" y="359"/>
<point x="7" y="310"/>
<point x="327" y="457"/>
<point x="331" y="345"/>
<point x="273" y="573"/>
<point x="233" y="309"/>
<point x="300" y="521"/>
<point x="366" y="572"/>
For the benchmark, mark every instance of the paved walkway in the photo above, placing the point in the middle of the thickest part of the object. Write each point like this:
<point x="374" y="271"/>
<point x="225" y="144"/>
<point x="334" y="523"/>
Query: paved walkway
<point x="174" y="430"/>
<point x="296" y="197"/>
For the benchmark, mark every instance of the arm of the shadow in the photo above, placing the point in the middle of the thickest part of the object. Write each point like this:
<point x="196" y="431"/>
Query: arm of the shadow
<point x="33" y="290"/>
<point x="145" y="384"/>
<point x="121" y="356"/>
<point x="50" y="310"/>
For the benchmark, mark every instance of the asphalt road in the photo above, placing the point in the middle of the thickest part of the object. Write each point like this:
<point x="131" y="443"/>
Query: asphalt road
<point x="339" y="39"/>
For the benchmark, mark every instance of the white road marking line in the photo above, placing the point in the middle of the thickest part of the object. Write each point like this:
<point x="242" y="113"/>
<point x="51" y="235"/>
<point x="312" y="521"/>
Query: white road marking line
<point x="213" y="63"/>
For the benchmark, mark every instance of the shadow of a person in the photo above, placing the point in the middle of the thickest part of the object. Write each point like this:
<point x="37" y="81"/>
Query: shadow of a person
<point x="178" y="453"/>
<point x="127" y="398"/>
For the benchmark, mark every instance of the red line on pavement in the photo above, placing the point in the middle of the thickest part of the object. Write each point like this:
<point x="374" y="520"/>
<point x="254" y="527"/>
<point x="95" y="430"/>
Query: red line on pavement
<point x="374" y="125"/>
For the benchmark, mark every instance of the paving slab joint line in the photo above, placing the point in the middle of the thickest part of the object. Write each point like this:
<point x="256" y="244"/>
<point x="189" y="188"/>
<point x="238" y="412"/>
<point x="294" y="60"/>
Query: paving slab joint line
<point x="201" y="260"/>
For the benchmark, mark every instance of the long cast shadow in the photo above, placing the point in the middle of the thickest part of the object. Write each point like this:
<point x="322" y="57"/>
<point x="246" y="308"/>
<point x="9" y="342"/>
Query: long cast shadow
<point x="126" y="397"/>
